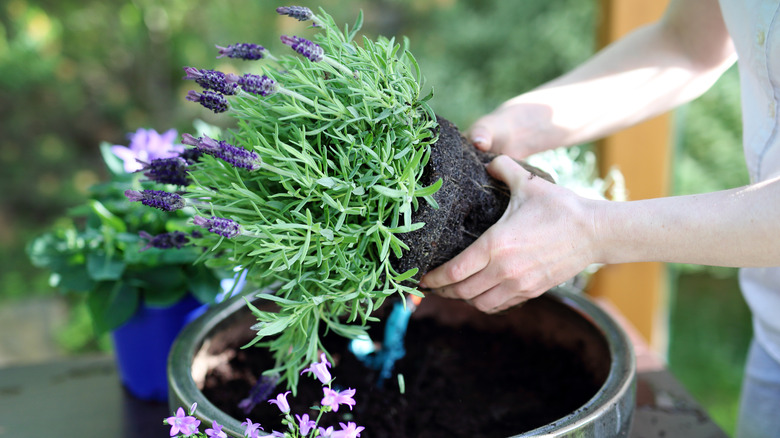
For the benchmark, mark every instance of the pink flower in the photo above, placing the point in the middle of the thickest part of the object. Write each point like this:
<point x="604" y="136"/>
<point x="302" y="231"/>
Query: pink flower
<point x="281" y="402"/>
<point x="147" y="145"/>
<point x="349" y="430"/>
<point x="320" y="369"/>
<point x="252" y="429"/>
<point x="181" y="423"/>
<point x="305" y="424"/>
<point x="215" y="431"/>
<point x="335" y="398"/>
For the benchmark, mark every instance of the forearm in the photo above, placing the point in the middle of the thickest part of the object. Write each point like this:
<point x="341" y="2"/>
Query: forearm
<point x="647" y="73"/>
<point x="737" y="228"/>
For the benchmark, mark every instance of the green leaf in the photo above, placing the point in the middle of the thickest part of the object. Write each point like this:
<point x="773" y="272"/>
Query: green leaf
<point x="115" y="164"/>
<point x="390" y="193"/>
<point x="102" y="267"/>
<point x="111" y="304"/>
<point x="202" y="283"/>
<point x="406" y="275"/>
<point x="106" y="217"/>
<point x="430" y="190"/>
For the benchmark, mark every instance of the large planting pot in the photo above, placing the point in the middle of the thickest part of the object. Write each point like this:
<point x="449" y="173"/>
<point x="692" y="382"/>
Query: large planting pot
<point x="561" y="317"/>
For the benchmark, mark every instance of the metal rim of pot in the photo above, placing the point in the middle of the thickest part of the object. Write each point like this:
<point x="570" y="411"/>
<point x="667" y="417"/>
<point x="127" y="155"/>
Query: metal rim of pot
<point x="607" y="414"/>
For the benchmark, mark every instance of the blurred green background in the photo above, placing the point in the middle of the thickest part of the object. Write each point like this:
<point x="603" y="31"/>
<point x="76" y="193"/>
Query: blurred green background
<point x="75" y="73"/>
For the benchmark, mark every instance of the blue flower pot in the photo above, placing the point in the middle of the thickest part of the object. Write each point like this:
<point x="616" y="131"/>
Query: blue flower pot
<point x="141" y="346"/>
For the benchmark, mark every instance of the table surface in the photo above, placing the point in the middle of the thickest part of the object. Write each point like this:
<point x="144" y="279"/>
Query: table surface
<point x="82" y="397"/>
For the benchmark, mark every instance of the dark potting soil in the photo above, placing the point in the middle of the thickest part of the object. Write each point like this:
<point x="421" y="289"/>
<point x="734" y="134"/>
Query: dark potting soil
<point x="469" y="202"/>
<point x="459" y="382"/>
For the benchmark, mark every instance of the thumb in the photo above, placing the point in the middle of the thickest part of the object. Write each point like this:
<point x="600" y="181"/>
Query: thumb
<point x="504" y="168"/>
<point x="481" y="136"/>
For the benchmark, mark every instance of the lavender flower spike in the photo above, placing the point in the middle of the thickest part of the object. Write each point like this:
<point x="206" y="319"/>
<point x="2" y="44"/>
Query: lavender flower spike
<point x="211" y="80"/>
<point x="209" y="99"/>
<point x="305" y="47"/>
<point x="156" y="198"/>
<point x="300" y="13"/>
<point x="167" y="171"/>
<point x="246" y="51"/>
<point x="234" y="155"/>
<point x="173" y="239"/>
<point x="219" y="225"/>
<point x="262" y="85"/>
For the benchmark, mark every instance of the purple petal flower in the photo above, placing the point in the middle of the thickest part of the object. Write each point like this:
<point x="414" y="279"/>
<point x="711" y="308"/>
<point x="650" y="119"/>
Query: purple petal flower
<point x="262" y="85"/>
<point x="218" y="225"/>
<point x="211" y="80"/>
<point x="300" y="13"/>
<point x="182" y="423"/>
<point x="215" y="431"/>
<point x="173" y="239"/>
<point x="335" y="398"/>
<point x="252" y="429"/>
<point x="281" y="402"/>
<point x="246" y="51"/>
<point x="209" y="99"/>
<point x="349" y="430"/>
<point x="167" y="171"/>
<point x="260" y="391"/>
<point x="326" y="433"/>
<point x="147" y="145"/>
<point x="305" y="47"/>
<point x="159" y="199"/>
<point x="320" y="370"/>
<point x="236" y="156"/>
<point x="305" y="425"/>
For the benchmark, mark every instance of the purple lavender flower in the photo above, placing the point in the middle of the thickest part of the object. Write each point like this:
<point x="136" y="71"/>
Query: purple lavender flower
<point x="305" y="47"/>
<point x="173" y="239"/>
<point x="260" y="391"/>
<point x="215" y="431"/>
<point x="159" y="199"/>
<point x="181" y="423"/>
<point x="334" y="398"/>
<point x="246" y="51"/>
<point x="349" y="430"/>
<point x="167" y="171"/>
<point x="305" y="425"/>
<point x="281" y="402"/>
<point x="146" y="145"/>
<point x="238" y="157"/>
<point x="320" y="370"/>
<point x="209" y="99"/>
<point x="252" y="429"/>
<point x="262" y="85"/>
<point x="300" y="13"/>
<point x="211" y="80"/>
<point x="219" y="225"/>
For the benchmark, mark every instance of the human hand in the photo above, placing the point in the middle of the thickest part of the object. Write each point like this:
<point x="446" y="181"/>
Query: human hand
<point x="516" y="129"/>
<point x="544" y="238"/>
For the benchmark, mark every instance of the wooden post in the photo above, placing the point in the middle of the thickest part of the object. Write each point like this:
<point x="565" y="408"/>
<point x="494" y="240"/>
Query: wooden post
<point x="642" y="153"/>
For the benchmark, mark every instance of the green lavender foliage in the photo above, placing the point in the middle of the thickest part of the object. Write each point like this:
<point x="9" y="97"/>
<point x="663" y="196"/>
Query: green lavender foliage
<point x="343" y="145"/>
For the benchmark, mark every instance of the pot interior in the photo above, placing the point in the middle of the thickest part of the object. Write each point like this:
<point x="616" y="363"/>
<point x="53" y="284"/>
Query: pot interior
<point x="465" y="373"/>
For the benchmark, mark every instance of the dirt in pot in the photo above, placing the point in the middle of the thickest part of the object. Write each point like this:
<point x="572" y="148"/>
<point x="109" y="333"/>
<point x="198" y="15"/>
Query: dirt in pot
<point x="459" y="382"/>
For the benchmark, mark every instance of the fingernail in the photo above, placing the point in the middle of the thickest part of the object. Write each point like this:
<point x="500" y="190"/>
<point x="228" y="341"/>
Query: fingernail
<point x="479" y="141"/>
<point x="422" y="285"/>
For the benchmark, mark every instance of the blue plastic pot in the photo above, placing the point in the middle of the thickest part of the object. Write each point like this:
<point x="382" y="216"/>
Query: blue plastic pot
<point x="141" y="346"/>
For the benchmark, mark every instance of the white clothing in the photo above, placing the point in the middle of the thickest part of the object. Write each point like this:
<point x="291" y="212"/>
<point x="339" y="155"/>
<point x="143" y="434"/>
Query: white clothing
<point x="754" y="26"/>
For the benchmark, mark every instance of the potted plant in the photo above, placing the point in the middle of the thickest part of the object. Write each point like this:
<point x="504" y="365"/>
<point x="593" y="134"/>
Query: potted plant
<point x="337" y="188"/>
<point x="113" y="251"/>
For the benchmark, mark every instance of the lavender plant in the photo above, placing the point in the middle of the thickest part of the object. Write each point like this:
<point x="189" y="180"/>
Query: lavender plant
<point x="312" y="187"/>
<point x="299" y="426"/>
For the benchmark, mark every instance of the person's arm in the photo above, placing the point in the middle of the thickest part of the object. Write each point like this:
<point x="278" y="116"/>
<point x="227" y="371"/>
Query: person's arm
<point x="642" y="75"/>
<point x="549" y="234"/>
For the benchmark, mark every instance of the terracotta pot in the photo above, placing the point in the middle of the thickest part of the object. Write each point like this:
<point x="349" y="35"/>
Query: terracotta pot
<point x="560" y="317"/>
